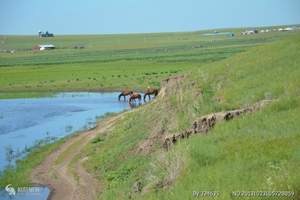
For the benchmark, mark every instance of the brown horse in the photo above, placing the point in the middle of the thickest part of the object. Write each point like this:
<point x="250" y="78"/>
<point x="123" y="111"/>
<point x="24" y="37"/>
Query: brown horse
<point x="149" y="92"/>
<point x="124" y="93"/>
<point x="134" y="96"/>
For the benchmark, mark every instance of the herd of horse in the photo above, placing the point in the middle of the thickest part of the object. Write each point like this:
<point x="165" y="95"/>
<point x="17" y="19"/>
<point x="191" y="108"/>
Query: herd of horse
<point x="133" y="96"/>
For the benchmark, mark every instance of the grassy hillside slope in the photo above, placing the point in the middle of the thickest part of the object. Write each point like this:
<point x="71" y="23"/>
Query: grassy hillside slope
<point x="258" y="151"/>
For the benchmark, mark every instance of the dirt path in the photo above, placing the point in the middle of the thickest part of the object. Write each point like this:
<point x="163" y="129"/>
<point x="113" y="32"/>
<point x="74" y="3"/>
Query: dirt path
<point x="62" y="170"/>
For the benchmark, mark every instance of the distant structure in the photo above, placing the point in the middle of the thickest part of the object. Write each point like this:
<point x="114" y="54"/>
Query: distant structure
<point x="282" y="29"/>
<point x="42" y="47"/>
<point x="46" y="34"/>
<point x="286" y="29"/>
<point x="249" y="32"/>
<point x="265" y="31"/>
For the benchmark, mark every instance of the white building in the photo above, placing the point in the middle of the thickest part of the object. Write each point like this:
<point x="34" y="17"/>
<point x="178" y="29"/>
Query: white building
<point x="249" y="32"/>
<point x="43" y="47"/>
<point x="288" y="29"/>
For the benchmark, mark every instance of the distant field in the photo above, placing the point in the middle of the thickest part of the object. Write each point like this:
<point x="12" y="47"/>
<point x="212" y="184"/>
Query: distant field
<point x="111" y="62"/>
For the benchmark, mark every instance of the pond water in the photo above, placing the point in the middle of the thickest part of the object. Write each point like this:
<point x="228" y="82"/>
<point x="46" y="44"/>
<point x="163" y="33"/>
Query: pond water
<point x="219" y="33"/>
<point x="25" y="121"/>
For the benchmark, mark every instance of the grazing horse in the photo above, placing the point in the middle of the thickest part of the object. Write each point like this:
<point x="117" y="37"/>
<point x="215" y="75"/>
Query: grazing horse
<point x="124" y="93"/>
<point x="149" y="92"/>
<point x="134" y="96"/>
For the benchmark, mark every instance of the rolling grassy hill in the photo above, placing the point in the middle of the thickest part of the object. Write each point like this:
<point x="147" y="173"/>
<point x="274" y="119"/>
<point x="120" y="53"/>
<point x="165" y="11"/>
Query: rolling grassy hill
<point x="256" y="152"/>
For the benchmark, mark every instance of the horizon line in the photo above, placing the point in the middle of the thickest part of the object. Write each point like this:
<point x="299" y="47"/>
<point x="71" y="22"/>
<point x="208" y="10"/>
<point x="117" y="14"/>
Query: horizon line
<point x="166" y="32"/>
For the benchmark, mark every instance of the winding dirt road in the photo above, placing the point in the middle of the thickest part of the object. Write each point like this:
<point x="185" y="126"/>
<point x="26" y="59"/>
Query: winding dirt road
<point x="63" y="172"/>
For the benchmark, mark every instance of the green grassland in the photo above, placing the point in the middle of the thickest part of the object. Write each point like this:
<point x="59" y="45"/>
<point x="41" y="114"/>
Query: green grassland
<point x="256" y="152"/>
<point x="111" y="62"/>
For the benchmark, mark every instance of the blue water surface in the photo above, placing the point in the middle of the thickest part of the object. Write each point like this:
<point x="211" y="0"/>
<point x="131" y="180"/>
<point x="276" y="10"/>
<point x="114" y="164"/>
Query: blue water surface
<point x="24" y="121"/>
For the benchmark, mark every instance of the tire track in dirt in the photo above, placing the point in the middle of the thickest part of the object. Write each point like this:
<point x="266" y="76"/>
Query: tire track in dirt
<point x="64" y="183"/>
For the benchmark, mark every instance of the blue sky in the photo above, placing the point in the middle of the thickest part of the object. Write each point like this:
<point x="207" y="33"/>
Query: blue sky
<point x="135" y="16"/>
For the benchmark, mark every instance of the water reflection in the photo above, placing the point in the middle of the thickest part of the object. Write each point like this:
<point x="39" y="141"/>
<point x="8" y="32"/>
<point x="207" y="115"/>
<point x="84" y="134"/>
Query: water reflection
<point x="24" y="121"/>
